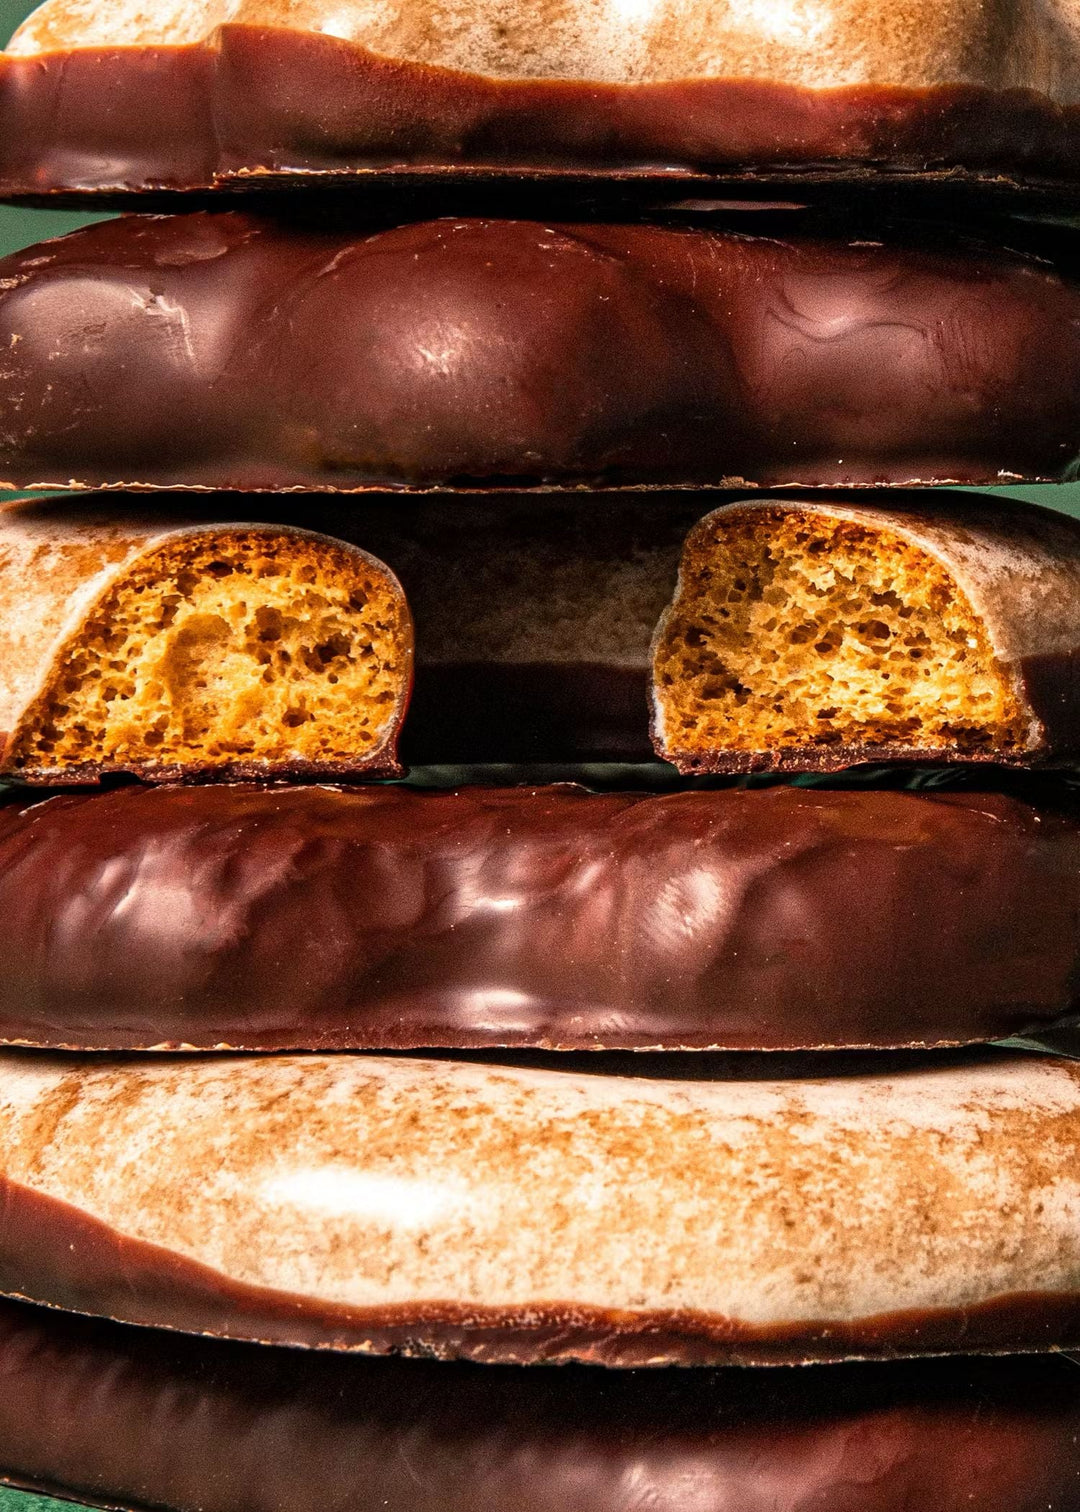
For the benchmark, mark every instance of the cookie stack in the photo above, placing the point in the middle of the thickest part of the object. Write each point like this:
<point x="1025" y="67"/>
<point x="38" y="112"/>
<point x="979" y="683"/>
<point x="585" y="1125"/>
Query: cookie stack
<point x="473" y="895"/>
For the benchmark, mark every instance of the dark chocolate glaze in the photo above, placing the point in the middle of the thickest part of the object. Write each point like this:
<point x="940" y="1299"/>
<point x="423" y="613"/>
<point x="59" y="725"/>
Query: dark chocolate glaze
<point x="534" y="615"/>
<point x="527" y="712"/>
<point x="379" y="765"/>
<point x="267" y="107"/>
<point x="133" y="1418"/>
<point x="227" y="351"/>
<point x="53" y="1253"/>
<point x="138" y="1419"/>
<point x="267" y="918"/>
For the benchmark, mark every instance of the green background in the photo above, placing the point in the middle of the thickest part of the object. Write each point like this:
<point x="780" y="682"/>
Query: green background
<point x="19" y="228"/>
<point x="18" y="1501"/>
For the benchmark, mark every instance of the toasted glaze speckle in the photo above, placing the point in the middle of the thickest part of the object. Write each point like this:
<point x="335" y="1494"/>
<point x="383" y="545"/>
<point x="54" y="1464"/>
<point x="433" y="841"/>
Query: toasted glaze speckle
<point x="399" y="1184"/>
<point x="814" y="43"/>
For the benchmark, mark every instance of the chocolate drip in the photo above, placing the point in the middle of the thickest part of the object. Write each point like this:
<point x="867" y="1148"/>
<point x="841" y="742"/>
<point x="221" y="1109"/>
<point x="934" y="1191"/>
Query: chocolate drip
<point x="266" y="108"/>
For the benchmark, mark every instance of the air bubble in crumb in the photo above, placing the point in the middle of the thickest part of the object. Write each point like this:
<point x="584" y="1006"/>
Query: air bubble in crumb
<point x="253" y="648"/>
<point x="799" y="630"/>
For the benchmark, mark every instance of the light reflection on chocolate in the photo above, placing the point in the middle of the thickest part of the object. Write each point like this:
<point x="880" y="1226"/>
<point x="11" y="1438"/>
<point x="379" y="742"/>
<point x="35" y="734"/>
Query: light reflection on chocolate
<point x="262" y="107"/>
<point x="135" y="1417"/>
<point x="314" y="917"/>
<point x="234" y="352"/>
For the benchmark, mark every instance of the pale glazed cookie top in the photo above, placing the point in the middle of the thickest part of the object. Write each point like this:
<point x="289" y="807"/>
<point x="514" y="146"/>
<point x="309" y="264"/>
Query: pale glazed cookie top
<point x="818" y="44"/>
<point x="375" y="1184"/>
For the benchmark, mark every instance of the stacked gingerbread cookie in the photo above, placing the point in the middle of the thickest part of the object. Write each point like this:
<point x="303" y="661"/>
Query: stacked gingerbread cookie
<point x="530" y="833"/>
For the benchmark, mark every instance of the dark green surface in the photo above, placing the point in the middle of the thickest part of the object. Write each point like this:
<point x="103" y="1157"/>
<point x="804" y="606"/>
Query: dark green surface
<point x="18" y="1501"/>
<point x="11" y="13"/>
<point x="20" y="228"/>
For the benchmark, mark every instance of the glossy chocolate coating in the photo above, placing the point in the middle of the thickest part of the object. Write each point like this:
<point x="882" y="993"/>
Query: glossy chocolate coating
<point x="228" y="351"/>
<point x="135" y="1418"/>
<point x="267" y="918"/>
<point x="269" y="107"/>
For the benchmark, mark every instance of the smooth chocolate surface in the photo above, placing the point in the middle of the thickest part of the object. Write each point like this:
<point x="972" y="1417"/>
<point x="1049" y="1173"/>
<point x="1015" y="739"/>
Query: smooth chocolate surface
<point x="228" y="351"/>
<point x="269" y="107"/>
<point x="135" y="1418"/>
<point x="268" y="918"/>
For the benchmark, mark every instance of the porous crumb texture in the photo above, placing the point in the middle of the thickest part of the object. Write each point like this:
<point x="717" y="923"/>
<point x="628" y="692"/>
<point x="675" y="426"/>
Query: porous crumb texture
<point x="244" y="648"/>
<point x="795" y="630"/>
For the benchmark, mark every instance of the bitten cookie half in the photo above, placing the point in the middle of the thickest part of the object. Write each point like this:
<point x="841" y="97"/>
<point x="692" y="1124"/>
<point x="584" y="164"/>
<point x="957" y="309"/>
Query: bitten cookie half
<point x="516" y="1215"/>
<point x="172" y="650"/>
<point x="815" y="636"/>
